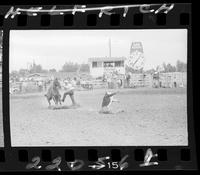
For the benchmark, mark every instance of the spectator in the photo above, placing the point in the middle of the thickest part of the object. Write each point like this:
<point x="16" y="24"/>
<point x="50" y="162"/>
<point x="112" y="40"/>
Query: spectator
<point x="128" y="78"/>
<point x="73" y="82"/>
<point x="45" y="85"/>
<point x="20" y="86"/>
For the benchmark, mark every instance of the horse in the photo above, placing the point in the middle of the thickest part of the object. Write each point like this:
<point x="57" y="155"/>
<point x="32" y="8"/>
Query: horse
<point x="53" y="92"/>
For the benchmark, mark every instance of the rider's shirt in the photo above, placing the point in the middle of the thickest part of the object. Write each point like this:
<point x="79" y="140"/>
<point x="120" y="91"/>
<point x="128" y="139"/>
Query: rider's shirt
<point x="69" y="86"/>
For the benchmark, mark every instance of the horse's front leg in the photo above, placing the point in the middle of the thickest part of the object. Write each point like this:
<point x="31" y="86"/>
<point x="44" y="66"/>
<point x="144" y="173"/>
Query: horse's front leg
<point x="59" y="98"/>
<point x="48" y="99"/>
<point x="55" y="101"/>
<point x="49" y="103"/>
<point x="60" y="101"/>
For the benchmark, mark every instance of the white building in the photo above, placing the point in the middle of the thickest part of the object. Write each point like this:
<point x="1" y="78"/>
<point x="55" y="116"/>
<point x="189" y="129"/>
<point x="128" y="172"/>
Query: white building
<point x="103" y="65"/>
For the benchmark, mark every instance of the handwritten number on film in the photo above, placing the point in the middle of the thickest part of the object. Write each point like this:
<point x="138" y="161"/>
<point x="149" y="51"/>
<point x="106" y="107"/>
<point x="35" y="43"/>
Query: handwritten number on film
<point x="34" y="164"/>
<point x="147" y="158"/>
<point x="55" y="164"/>
<point x="111" y="165"/>
<point x="101" y="163"/>
<point x="76" y="165"/>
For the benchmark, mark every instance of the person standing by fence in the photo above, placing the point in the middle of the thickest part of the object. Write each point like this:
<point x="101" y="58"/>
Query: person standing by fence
<point x="40" y="86"/>
<point x="128" y="78"/>
<point x="20" y="86"/>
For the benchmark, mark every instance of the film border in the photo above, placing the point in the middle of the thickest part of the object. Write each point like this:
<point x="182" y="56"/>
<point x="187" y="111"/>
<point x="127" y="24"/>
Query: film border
<point x="173" y="162"/>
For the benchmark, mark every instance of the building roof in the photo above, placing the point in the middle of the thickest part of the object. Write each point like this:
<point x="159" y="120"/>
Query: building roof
<point x="106" y="59"/>
<point x="57" y="74"/>
<point x="36" y="75"/>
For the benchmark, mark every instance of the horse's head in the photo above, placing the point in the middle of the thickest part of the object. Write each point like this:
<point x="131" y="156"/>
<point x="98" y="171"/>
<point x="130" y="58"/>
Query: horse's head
<point x="56" y="83"/>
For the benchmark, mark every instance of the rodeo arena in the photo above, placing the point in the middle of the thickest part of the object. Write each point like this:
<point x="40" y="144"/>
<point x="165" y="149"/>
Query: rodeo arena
<point x="152" y="105"/>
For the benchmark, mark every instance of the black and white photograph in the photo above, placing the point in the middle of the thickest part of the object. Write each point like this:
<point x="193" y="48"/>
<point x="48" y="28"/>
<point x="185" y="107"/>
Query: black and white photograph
<point x="1" y="112"/>
<point x="98" y="87"/>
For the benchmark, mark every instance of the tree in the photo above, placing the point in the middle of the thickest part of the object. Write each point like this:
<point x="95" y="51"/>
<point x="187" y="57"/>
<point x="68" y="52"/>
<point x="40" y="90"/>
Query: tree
<point x="52" y="70"/>
<point x="14" y="73"/>
<point x="168" y="68"/>
<point x="45" y="71"/>
<point x="84" y="68"/>
<point x="23" y="72"/>
<point x="171" y="68"/>
<point x="36" y="68"/>
<point x="181" y="66"/>
<point x="150" y="71"/>
<point x="70" y="67"/>
<point x="164" y="67"/>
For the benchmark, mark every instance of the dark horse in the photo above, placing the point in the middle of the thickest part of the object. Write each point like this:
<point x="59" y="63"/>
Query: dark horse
<point x="53" y="92"/>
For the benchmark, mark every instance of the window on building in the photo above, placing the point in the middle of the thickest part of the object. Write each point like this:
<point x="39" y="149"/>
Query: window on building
<point x="109" y="64"/>
<point x="119" y="63"/>
<point x="94" y="64"/>
<point x="99" y="64"/>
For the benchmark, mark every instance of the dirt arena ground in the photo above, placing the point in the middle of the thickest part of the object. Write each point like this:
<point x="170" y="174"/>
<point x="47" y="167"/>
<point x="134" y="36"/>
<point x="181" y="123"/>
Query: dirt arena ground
<point x="151" y="117"/>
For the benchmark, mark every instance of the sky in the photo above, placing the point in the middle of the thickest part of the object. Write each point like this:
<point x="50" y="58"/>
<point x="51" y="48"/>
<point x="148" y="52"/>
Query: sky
<point x="52" y="48"/>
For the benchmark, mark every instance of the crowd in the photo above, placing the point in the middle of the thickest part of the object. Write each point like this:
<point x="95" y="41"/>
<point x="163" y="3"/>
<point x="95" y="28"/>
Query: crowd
<point x="42" y="85"/>
<point x="109" y="81"/>
<point x="115" y="80"/>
